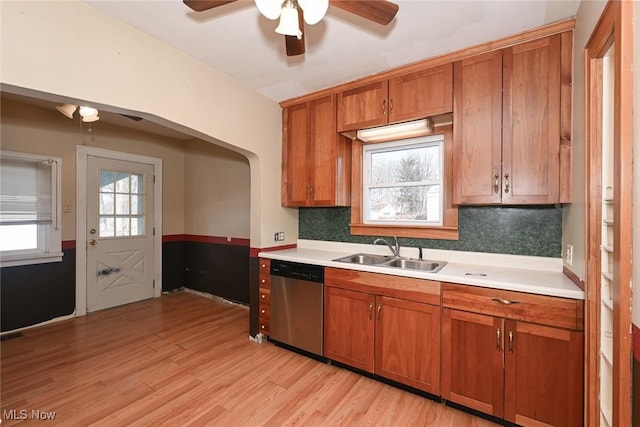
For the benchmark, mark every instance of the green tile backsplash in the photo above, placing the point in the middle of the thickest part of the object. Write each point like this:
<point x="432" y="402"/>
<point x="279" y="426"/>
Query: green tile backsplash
<point x="535" y="231"/>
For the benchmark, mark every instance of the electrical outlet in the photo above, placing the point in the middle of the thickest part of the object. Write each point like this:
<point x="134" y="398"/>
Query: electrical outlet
<point x="568" y="254"/>
<point x="279" y="236"/>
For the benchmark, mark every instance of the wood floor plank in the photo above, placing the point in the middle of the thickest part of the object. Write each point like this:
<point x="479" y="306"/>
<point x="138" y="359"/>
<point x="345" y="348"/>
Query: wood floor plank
<point x="183" y="359"/>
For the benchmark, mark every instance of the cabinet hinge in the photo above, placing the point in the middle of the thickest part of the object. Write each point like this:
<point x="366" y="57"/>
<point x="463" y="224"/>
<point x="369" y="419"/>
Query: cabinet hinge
<point x="154" y="231"/>
<point x="154" y="283"/>
<point x="154" y="179"/>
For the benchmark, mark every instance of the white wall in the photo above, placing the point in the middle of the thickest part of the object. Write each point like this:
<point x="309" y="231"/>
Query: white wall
<point x="69" y="50"/>
<point x="216" y="193"/>
<point x="573" y="215"/>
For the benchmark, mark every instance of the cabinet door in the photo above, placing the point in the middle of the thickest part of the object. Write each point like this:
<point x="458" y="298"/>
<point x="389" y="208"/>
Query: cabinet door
<point x="349" y="327"/>
<point x="421" y="94"/>
<point x="472" y="360"/>
<point x="543" y="375"/>
<point x="363" y="107"/>
<point x="295" y="177"/>
<point x="531" y="133"/>
<point x="408" y="343"/>
<point x="477" y="122"/>
<point x="322" y="127"/>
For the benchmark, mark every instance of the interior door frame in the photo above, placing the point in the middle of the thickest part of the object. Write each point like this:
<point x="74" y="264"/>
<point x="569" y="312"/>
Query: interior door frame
<point x="82" y="154"/>
<point x="615" y="27"/>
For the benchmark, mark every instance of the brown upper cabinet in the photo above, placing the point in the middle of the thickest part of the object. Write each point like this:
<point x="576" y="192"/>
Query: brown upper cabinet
<point x="512" y="125"/>
<point x="316" y="161"/>
<point x="401" y="98"/>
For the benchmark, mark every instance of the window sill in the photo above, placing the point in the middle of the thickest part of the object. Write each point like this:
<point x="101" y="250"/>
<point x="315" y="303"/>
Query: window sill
<point x="29" y="259"/>
<point x="425" y="232"/>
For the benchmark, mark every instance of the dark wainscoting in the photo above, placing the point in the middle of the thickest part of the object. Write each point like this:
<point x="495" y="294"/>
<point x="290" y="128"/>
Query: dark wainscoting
<point x="173" y="276"/>
<point x="217" y="266"/>
<point x="32" y="294"/>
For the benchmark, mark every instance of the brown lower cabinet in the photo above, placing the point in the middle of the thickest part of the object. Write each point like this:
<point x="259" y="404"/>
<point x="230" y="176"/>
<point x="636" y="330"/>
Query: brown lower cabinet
<point x="522" y="372"/>
<point x="391" y="337"/>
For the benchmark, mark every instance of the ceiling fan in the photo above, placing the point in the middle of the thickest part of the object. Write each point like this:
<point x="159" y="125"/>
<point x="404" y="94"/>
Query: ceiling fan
<point x="294" y="13"/>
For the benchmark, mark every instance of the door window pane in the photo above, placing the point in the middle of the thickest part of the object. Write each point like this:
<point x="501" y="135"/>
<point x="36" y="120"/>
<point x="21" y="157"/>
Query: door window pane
<point x="121" y="202"/>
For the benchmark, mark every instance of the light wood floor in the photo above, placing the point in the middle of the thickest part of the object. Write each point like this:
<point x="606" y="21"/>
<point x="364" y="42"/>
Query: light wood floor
<point x="187" y="360"/>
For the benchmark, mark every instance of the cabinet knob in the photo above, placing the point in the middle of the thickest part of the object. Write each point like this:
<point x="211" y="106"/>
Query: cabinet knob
<point x="506" y="183"/>
<point x="384" y="106"/>
<point x="510" y="342"/>
<point x="263" y="311"/>
<point x="264" y="265"/>
<point x="262" y="326"/>
<point x="498" y="347"/>
<point x="263" y="296"/>
<point x="496" y="183"/>
<point x="263" y="281"/>
<point x="391" y="106"/>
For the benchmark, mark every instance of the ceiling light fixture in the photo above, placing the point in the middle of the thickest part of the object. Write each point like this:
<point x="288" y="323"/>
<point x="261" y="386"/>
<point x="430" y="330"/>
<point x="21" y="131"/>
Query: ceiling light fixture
<point x="88" y="114"/>
<point x="289" y="25"/>
<point x="396" y="131"/>
<point x="287" y="10"/>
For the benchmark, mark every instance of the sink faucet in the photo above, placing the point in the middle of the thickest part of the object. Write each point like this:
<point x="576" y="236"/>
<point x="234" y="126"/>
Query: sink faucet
<point x="395" y="249"/>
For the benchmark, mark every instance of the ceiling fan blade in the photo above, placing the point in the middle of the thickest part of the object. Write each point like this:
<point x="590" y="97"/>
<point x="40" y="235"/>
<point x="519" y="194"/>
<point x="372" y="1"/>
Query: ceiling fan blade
<point x="295" y="46"/>
<point x="200" y="5"/>
<point x="379" y="11"/>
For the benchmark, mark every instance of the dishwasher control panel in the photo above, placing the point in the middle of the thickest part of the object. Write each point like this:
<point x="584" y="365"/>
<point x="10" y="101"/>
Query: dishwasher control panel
<point x="294" y="270"/>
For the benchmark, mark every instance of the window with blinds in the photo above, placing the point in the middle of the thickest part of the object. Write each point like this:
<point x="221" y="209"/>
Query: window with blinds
<point x="29" y="209"/>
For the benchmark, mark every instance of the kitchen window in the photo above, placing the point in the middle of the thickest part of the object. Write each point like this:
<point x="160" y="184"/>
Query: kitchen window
<point x="29" y="209"/>
<point x="403" y="188"/>
<point x="402" y="182"/>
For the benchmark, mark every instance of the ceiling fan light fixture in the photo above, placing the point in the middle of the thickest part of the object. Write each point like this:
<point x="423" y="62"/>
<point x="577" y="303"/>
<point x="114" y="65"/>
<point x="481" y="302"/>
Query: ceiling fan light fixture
<point x="313" y="10"/>
<point x="89" y="114"/>
<point x="270" y="9"/>
<point x="67" y="110"/>
<point x="289" y="25"/>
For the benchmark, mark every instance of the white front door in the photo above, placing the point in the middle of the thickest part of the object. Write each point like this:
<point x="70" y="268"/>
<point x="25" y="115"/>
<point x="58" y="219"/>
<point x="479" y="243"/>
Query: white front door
<point x="120" y="261"/>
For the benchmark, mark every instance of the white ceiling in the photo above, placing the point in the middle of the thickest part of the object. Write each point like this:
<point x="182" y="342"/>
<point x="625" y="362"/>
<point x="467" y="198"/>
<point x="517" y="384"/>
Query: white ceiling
<point x="238" y="41"/>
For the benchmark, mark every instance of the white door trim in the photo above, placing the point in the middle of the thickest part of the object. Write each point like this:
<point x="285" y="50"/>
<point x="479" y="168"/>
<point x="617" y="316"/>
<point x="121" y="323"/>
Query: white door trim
<point x="82" y="153"/>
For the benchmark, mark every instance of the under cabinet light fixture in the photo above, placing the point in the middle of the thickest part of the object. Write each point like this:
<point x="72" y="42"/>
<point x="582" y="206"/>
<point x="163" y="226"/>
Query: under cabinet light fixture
<point x="397" y="131"/>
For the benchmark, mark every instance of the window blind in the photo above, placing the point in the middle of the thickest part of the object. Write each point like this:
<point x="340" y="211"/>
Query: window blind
<point x="25" y="191"/>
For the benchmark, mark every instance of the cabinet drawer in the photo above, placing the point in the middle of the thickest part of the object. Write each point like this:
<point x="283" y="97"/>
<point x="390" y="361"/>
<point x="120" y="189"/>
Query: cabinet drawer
<point x="265" y="267"/>
<point x="264" y="326"/>
<point x="553" y="311"/>
<point x="418" y="290"/>
<point x="265" y="282"/>
<point x="265" y="297"/>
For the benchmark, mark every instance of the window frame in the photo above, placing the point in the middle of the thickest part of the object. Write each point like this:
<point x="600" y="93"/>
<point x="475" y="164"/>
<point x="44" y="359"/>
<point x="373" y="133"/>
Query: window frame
<point x="368" y="150"/>
<point x="49" y="235"/>
<point x="449" y="228"/>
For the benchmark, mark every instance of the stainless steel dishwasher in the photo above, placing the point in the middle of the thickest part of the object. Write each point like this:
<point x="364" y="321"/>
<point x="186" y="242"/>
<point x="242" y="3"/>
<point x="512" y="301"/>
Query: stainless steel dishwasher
<point x="297" y="305"/>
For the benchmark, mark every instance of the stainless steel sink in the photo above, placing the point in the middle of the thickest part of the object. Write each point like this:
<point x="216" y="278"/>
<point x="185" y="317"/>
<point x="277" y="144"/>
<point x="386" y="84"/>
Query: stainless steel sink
<point x="416" y="264"/>
<point x="365" y="259"/>
<point x="394" y="262"/>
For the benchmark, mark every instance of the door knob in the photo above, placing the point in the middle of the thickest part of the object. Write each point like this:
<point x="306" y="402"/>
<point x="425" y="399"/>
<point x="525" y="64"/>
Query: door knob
<point x="92" y="242"/>
<point x="92" y="231"/>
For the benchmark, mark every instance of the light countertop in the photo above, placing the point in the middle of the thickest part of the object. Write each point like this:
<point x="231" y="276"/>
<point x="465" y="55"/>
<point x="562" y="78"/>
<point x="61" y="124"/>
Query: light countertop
<point x="536" y="275"/>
